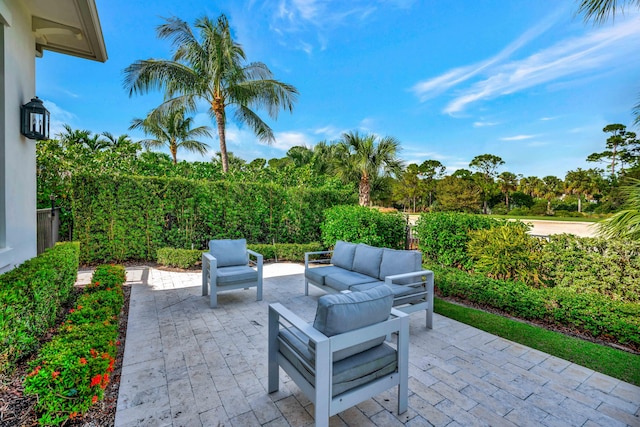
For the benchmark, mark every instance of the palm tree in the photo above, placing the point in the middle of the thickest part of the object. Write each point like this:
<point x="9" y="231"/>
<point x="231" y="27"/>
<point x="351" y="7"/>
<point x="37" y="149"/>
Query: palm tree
<point x="626" y="223"/>
<point x="172" y="130"/>
<point x="363" y="158"/>
<point x="552" y="187"/>
<point x="211" y="69"/>
<point x="600" y="10"/>
<point x="581" y="183"/>
<point x="507" y="181"/>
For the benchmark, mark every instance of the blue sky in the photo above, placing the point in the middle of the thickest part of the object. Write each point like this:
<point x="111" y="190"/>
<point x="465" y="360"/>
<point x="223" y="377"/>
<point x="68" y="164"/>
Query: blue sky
<point x="528" y="81"/>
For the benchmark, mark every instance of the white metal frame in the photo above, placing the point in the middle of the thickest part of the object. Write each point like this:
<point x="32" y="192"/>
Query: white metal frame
<point x="424" y="279"/>
<point x="320" y="393"/>
<point x="210" y="282"/>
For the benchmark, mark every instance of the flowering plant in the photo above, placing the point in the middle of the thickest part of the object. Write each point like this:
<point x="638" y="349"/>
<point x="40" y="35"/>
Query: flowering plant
<point x="72" y="371"/>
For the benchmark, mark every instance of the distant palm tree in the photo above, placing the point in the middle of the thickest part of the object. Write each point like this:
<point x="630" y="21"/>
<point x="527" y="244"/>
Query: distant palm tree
<point x="580" y="182"/>
<point x="172" y="130"/>
<point x="507" y="181"/>
<point x="211" y="69"/>
<point x="552" y="187"/>
<point x="363" y="158"/>
<point x="626" y="223"/>
<point x="82" y="138"/>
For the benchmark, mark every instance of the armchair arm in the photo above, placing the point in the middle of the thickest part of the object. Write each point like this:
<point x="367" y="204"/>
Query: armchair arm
<point x="308" y="261"/>
<point x="209" y="266"/>
<point x="259" y="258"/>
<point x="389" y="280"/>
<point x="280" y="311"/>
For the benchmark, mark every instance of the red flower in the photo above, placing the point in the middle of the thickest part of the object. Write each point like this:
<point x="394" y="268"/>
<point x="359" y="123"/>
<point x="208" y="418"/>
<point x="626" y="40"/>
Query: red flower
<point x="79" y="307"/>
<point x="105" y="381"/>
<point x="34" y="372"/>
<point x="83" y="361"/>
<point x="94" y="399"/>
<point x="96" y="380"/>
<point x="118" y="342"/>
<point x="72" y="310"/>
<point x="73" y="415"/>
<point x="55" y="374"/>
<point x="94" y="353"/>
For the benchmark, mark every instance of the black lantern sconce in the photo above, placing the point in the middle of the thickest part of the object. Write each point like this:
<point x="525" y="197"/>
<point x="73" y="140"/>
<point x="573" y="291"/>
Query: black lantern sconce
<point x="34" y="120"/>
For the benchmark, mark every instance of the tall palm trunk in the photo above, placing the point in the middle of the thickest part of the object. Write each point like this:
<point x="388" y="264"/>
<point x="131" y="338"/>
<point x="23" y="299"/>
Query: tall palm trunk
<point x="218" y="109"/>
<point x="364" y="190"/>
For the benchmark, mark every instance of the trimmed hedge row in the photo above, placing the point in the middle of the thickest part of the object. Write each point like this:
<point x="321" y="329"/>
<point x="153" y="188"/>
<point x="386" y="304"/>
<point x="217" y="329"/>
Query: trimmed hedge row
<point x="72" y="370"/>
<point x="31" y="296"/>
<point x="590" y="312"/>
<point x="187" y="258"/>
<point x="120" y="218"/>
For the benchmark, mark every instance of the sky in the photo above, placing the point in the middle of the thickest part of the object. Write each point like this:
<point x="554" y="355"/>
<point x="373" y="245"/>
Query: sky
<point x="528" y="81"/>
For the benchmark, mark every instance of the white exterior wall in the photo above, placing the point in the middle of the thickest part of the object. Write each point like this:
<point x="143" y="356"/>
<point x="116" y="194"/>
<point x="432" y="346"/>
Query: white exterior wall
<point x="18" y="154"/>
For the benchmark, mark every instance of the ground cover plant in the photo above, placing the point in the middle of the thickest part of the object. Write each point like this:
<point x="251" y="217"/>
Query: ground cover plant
<point x="72" y="370"/>
<point x="31" y="297"/>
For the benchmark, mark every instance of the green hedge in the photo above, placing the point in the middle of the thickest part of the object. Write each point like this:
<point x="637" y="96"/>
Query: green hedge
<point x="31" y="296"/>
<point x="443" y="236"/>
<point x="72" y="370"/>
<point x="360" y="224"/>
<point x="590" y="312"/>
<point x="120" y="218"/>
<point x="187" y="258"/>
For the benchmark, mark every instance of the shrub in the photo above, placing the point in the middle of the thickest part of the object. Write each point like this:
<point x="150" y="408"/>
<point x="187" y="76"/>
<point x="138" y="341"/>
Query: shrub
<point x="31" y="296"/>
<point x="181" y="258"/>
<point x="443" y="236"/>
<point x="360" y="224"/>
<point x="72" y="370"/>
<point x="589" y="312"/>
<point x="506" y="252"/>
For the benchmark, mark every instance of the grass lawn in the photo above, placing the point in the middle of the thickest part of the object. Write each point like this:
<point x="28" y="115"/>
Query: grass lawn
<point x="548" y="218"/>
<point x="607" y="360"/>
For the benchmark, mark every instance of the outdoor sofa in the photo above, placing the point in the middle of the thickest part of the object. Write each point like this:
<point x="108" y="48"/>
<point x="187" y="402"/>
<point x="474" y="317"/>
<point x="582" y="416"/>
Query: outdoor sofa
<point x="359" y="267"/>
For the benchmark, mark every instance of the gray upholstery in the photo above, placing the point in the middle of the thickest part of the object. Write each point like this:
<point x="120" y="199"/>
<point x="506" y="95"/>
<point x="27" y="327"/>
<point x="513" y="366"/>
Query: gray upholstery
<point x="348" y="373"/>
<point x="344" y="279"/>
<point x="399" y="291"/>
<point x="229" y="252"/>
<point x="318" y="275"/>
<point x="367" y="260"/>
<point x="235" y="274"/>
<point x="339" y="313"/>
<point x="398" y="262"/>
<point x="343" y="253"/>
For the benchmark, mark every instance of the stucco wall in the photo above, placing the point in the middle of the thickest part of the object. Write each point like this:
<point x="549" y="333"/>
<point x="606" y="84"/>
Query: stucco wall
<point x="18" y="153"/>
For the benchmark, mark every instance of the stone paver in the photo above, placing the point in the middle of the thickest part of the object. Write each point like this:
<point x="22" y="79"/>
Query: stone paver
<point x="186" y="364"/>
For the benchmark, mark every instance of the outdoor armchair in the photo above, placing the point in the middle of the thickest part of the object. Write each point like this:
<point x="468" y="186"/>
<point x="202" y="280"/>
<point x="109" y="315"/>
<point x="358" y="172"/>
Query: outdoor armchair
<point x="343" y="358"/>
<point x="230" y="265"/>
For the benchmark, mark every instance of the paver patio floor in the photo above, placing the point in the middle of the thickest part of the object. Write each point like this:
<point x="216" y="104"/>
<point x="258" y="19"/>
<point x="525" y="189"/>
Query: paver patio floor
<point x="186" y="364"/>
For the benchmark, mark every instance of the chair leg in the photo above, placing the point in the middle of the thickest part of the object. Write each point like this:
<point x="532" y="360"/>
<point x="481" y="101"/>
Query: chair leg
<point x="213" y="298"/>
<point x="259" y="290"/>
<point x="273" y="368"/>
<point x="205" y="277"/>
<point x="306" y="287"/>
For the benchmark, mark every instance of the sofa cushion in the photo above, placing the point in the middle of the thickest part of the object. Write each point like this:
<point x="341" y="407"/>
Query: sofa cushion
<point x="317" y="274"/>
<point x="367" y="260"/>
<point x="339" y="313"/>
<point x="399" y="262"/>
<point x="343" y="280"/>
<point x="229" y="252"/>
<point x="235" y="274"/>
<point x="343" y="253"/>
<point x="402" y="294"/>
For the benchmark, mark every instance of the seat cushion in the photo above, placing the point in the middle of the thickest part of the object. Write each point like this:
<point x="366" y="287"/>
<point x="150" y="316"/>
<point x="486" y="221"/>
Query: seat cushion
<point x="343" y="280"/>
<point x="318" y="274"/>
<point x="229" y="252"/>
<point x="348" y="373"/>
<point x="343" y="253"/>
<point x="367" y="260"/>
<point x="235" y="274"/>
<point x="399" y="262"/>
<point x="339" y="313"/>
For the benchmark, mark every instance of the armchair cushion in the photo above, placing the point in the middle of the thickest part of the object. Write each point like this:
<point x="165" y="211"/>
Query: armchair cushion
<point x="343" y="253"/>
<point x="339" y="313"/>
<point x="229" y="252"/>
<point x="348" y="373"/>
<point x="235" y="274"/>
<point x="367" y="260"/>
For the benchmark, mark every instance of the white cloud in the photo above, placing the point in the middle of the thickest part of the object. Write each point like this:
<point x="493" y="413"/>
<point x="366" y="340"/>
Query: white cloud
<point x="58" y="118"/>
<point x="592" y="52"/>
<point x="286" y="140"/>
<point x="484" y="124"/>
<point x="517" y="137"/>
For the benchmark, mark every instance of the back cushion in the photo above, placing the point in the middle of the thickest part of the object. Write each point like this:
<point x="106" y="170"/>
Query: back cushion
<point x="229" y="252"/>
<point x="339" y="313"/>
<point x="367" y="260"/>
<point x="343" y="253"/>
<point x="398" y="262"/>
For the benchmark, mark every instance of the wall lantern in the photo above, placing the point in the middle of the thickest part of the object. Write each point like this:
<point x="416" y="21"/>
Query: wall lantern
<point x="34" y="120"/>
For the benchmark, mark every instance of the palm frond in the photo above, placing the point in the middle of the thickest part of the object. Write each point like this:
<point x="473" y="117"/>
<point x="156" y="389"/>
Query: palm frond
<point x="245" y="115"/>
